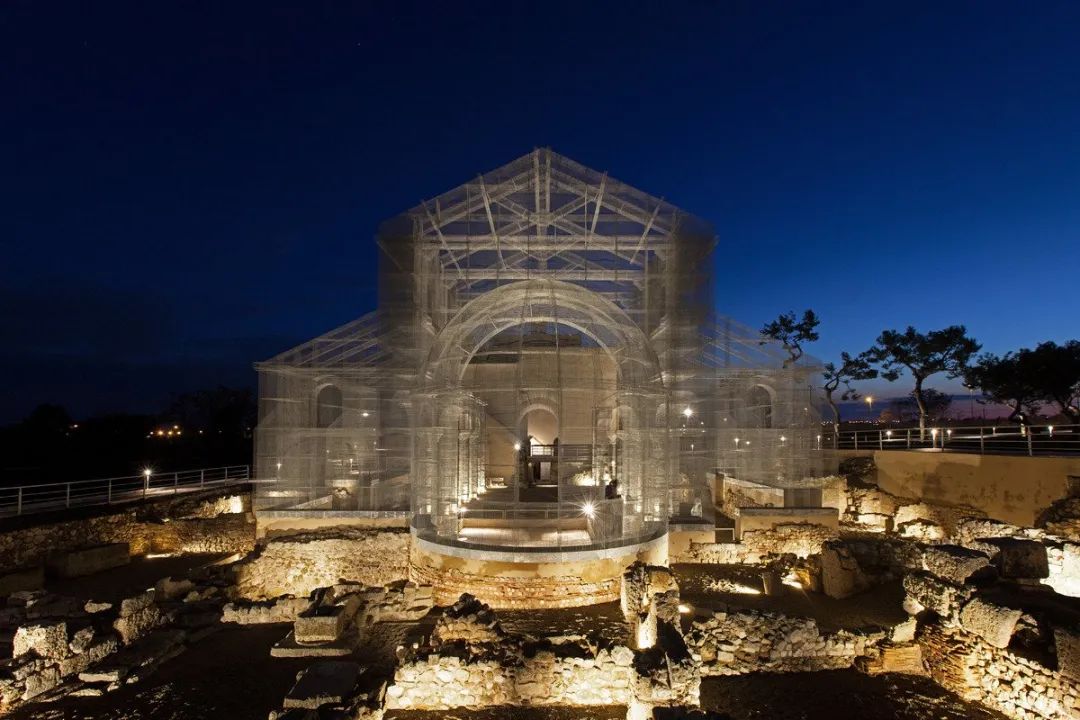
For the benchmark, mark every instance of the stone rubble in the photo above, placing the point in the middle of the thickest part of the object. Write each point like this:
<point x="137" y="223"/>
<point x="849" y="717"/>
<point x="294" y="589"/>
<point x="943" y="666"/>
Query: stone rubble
<point x="62" y="645"/>
<point x="745" y="641"/>
<point x="281" y="610"/>
<point x="299" y="564"/>
<point x="468" y="620"/>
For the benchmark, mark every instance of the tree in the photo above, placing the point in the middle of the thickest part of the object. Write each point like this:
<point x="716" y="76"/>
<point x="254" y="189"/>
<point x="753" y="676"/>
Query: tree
<point x="835" y="377"/>
<point x="792" y="333"/>
<point x="47" y="419"/>
<point x="923" y="354"/>
<point x="1056" y="375"/>
<point x="1010" y="380"/>
<point x="937" y="403"/>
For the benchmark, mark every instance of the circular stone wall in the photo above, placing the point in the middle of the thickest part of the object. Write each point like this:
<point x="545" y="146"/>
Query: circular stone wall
<point x="517" y="579"/>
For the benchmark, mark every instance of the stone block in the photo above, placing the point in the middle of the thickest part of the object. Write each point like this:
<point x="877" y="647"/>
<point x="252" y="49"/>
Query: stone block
<point x="840" y="572"/>
<point x="896" y="659"/>
<point x="923" y="530"/>
<point x="135" y="603"/>
<point x="324" y="624"/>
<point x="904" y="632"/>
<point x="46" y="640"/>
<point x="954" y="563"/>
<point x="1020" y="559"/>
<point x="329" y="682"/>
<point x="81" y="639"/>
<point x="169" y="589"/>
<point x="289" y="647"/>
<point x="92" y="654"/>
<point x="22" y="579"/>
<point x="134" y="624"/>
<point x="40" y="682"/>
<point x="993" y="623"/>
<point x="928" y="592"/>
<point x="76" y="563"/>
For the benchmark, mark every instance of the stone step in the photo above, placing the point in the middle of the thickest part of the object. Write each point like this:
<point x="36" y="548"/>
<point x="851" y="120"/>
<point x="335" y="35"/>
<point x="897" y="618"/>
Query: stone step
<point x="289" y="647"/>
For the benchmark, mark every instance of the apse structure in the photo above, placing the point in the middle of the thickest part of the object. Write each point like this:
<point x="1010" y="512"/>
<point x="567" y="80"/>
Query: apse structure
<point x="546" y="372"/>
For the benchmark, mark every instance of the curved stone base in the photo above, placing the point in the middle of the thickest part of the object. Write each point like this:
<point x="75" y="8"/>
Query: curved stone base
<point x="514" y="580"/>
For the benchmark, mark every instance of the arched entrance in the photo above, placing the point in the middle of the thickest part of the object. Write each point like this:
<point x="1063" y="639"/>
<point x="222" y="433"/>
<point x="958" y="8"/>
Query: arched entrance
<point x="534" y="364"/>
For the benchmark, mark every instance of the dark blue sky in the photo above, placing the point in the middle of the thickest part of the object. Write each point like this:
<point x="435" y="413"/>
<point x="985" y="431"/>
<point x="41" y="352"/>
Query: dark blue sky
<point x="190" y="187"/>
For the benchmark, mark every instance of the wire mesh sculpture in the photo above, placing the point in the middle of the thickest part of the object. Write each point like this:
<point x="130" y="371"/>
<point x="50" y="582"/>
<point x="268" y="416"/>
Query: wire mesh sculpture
<point x="545" y="368"/>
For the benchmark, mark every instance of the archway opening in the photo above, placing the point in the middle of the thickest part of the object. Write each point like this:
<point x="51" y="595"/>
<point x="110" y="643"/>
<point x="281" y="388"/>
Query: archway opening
<point x="759" y="407"/>
<point x="328" y="406"/>
<point x="546" y="363"/>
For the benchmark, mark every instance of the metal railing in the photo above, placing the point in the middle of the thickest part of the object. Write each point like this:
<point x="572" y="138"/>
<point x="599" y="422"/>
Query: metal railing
<point x="29" y="499"/>
<point x="982" y="439"/>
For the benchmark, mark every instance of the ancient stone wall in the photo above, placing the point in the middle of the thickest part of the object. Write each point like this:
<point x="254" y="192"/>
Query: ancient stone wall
<point x="1011" y="488"/>
<point x="998" y="678"/>
<point x="579" y="579"/>
<point x="559" y="675"/>
<point x="510" y="591"/>
<point x="298" y="564"/>
<point x="56" y="637"/>
<point x="745" y="641"/>
<point x="209" y="525"/>
<point x="801" y="539"/>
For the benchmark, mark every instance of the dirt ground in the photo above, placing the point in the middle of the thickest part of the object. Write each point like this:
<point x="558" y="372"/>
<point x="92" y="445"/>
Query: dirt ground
<point x="117" y="583"/>
<point x="836" y="695"/>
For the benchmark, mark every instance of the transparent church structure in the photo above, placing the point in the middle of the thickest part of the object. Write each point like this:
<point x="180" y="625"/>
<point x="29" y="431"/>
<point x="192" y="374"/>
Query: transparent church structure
<point x="546" y="369"/>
